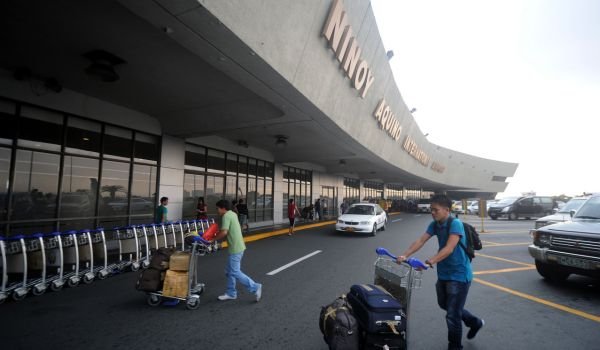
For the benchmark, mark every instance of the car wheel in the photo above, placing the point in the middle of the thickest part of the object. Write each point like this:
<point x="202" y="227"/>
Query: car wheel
<point x="551" y="273"/>
<point x="513" y="216"/>
<point x="374" y="232"/>
<point x="494" y="217"/>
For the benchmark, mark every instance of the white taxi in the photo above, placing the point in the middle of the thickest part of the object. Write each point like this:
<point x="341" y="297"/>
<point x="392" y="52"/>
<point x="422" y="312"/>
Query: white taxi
<point x="362" y="217"/>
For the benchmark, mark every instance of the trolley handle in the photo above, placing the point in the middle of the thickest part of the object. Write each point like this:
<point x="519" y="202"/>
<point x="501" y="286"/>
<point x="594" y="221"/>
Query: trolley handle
<point x="412" y="262"/>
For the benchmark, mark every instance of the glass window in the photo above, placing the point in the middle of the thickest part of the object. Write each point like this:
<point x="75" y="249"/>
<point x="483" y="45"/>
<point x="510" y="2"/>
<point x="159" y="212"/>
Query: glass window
<point x="5" y="154"/>
<point x="231" y="164"/>
<point x="269" y="199"/>
<point x="117" y="143"/>
<point x="195" y="158"/>
<point x="29" y="227"/>
<point x="143" y="189"/>
<point x="114" y="188"/>
<point x="40" y="129"/>
<point x="214" y="193"/>
<point x="146" y="148"/>
<point x="68" y="225"/>
<point x="9" y="122"/>
<point x="83" y="137"/>
<point x="230" y="188"/>
<point x="193" y="188"/>
<point x="215" y="162"/>
<point x="79" y="187"/>
<point x="35" y="185"/>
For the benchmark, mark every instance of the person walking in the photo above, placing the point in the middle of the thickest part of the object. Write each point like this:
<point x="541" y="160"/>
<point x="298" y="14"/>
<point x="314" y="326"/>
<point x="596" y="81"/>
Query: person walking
<point x="453" y="268"/>
<point x="343" y="207"/>
<point x="230" y="228"/>
<point x="201" y="209"/>
<point x="160" y="215"/>
<point x="242" y="209"/>
<point x="292" y="211"/>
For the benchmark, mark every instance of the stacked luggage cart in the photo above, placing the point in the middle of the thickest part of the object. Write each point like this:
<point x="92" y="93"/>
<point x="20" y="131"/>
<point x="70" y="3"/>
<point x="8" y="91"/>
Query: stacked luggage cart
<point x="48" y="261"/>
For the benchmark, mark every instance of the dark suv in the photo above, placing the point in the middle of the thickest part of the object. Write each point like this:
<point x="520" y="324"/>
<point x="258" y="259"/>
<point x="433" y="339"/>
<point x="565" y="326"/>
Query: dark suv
<point x="569" y="247"/>
<point x="527" y="207"/>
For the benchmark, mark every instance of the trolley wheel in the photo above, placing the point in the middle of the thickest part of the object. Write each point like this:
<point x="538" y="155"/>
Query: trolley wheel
<point x="38" y="291"/>
<point x="193" y="303"/>
<point x="145" y="264"/>
<point x="135" y="266"/>
<point x="18" y="297"/>
<point x="102" y="274"/>
<point x="153" y="300"/>
<point x="56" y="287"/>
<point x="87" y="279"/>
<point x="72" y="283"/>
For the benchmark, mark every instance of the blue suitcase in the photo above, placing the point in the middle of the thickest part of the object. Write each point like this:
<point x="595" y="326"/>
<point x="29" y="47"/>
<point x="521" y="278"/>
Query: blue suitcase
<point x="377" y="311"/>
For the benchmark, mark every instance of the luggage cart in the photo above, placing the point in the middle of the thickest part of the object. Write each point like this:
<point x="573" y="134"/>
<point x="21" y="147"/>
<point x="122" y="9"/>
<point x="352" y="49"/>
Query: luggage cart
<point x="199" y="247"/>
<point x="142" y="238"/>
<point x="178" y="231"/>
<point x="100" y="252"/>
<point x="129" y="245"/>
<point x="16" y="264"/>
<point x="70" y="250"/>
<point x="54" y="261"/>
<point x="114" y="246"/>
<point x="36" y="264"/>
<point x="159" y="231"/>
<point x="4" y="277"/>
<point x="399" y="280"/>
<point x="78" y="253"/>
<point x="170" y="234"/>
<point x="150" y="232"/>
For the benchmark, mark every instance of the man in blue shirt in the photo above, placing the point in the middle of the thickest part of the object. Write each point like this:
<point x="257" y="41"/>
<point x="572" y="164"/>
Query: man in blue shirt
<point x="453" y="269"/>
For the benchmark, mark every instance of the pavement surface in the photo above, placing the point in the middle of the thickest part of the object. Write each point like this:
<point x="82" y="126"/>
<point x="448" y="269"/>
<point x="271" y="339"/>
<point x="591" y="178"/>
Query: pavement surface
<point x="521" y="310"/>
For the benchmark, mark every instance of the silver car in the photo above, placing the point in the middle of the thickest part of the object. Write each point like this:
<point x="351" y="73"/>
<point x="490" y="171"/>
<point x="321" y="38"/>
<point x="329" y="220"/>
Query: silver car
<point x="563" y="214"/>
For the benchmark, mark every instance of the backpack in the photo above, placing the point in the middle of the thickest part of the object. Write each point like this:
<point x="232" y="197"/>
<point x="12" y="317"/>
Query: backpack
<point x="339" y="326"/>
<point x="473" y="240"/>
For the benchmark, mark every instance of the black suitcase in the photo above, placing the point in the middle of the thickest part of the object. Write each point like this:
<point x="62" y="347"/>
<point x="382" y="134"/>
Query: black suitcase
<point x="377" y="311"/>
<point x="149" y="280"/>
<point x="339" y="326"/>
<point x="377" y="341"/>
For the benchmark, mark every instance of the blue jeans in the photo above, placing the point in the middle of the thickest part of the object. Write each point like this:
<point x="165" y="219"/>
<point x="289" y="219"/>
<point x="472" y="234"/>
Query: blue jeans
<point x="451" y="296"/>
<point x="233" y="272"/>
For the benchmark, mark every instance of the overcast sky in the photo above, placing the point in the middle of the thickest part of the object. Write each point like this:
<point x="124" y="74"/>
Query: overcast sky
<point x="510" y="80"/>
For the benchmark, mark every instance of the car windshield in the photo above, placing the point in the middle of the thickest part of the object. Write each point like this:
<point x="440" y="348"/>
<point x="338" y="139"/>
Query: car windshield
<point x="573" y="204"/>
<point x="590" y="210"/>
<point x="507" y="201"/>
<point x="361" y="210"/>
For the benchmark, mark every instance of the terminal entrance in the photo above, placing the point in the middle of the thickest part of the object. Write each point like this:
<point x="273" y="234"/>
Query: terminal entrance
<point x="329" y="202"/>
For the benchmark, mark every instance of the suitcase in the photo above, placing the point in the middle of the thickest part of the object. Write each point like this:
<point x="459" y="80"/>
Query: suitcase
<point x="150" y="280"/>
<point x="378" y="341"/>
<point x="160" y="258"/>
<point x="377" y="311"/>
<point x="339" y="326"/>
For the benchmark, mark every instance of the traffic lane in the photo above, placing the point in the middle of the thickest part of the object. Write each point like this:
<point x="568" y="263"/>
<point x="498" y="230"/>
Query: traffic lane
<point x="111" y="313"/>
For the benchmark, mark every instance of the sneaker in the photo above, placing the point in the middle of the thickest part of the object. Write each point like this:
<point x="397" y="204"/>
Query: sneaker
<point x="473" y="330"/>
<point x="226" y="297"/>
<point x="258" y="292"/>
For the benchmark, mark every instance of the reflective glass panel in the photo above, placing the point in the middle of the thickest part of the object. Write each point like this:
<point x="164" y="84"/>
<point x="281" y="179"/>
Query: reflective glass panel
<point x="114" y="188"/>
<point x="79" y="187"/>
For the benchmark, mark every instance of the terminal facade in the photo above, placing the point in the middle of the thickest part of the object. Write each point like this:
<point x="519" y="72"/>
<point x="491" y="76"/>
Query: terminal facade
<point x="107" y="106"/>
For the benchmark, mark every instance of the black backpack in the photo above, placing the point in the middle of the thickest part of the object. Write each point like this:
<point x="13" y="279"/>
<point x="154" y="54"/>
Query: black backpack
<point x="473" y="240"/>
<point x="339" y="326"/>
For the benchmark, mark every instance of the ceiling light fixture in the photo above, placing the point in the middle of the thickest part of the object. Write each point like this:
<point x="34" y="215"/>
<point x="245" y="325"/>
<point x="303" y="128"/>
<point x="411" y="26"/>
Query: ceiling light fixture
<point x="281" y="141"/>
<point x="102" y="67"/>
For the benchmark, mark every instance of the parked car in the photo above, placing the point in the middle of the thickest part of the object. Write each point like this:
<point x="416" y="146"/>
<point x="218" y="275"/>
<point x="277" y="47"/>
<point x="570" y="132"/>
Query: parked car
<point x="569" y="247"/>
<point x="457" y="207"/>
<point x="515" y="207"/>
<point x="473" y="208"/>
<point x="424" y="206"/>
<point x="563" y="214"/>
<point x="362" y="217"/>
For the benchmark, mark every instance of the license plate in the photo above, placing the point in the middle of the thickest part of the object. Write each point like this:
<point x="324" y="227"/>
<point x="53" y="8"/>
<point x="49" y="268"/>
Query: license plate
<point x="349" y="229"/>
<point x="573" y="262"/>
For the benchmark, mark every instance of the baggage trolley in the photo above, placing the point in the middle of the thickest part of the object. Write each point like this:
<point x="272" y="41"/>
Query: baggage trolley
<point x="36" y="264"/>
<point x="15" y="264"/>
<point x="78" y="253"/>
<point x="170" y="234"/>
<point x="399" y="280"/>
<point x="199" y="247"/>
<point x="114" y="246"/>
<point x="100" y="253"/>
<point x="130" y="247"/>
<point x="159" y="232"/>
<point x="53" y="245"/>
<point x="4" y="277"/>
<point x="178" y="231"/>
<point x="150" y="232"/>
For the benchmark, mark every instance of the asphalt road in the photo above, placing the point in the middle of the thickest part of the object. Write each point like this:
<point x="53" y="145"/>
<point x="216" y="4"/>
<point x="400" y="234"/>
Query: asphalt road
<point x="522" y="311"/>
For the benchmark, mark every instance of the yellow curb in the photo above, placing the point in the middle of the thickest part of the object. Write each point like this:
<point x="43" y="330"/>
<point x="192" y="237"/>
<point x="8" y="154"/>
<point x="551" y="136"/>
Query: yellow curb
<point x="541" y="301"/>
<point x="283" y="231"/>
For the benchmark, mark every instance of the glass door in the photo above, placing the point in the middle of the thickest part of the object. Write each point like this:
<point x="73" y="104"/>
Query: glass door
<point x="329" y="202"/>
<point x="214" y="192"/>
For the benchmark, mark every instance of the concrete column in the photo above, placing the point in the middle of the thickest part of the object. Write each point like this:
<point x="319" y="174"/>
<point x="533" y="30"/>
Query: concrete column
<point x="278" y="194"/>
<point x="171" y="174"/>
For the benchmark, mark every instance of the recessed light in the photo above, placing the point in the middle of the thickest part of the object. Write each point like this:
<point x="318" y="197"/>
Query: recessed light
<point x="85" y="139"/>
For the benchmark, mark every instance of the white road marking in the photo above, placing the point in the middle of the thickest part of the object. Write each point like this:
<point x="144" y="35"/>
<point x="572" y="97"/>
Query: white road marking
<point x="293" y="263"/>
<point x="396" y="220"/>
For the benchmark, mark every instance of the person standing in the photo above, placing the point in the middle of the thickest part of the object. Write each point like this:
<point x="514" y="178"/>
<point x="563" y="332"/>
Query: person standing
<point x="343" y="207"/>
<point x="318" y="212"/>
<point x="453" y="268"/>
<point x="161" y="211"/>
<point x="230" y="228"/>
<point x="292" y="211"/>
<point x="201" y="209"/>
<point x="242" y="209"/>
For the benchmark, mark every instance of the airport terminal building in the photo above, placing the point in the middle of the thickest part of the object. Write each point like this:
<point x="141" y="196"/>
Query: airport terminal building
<point x="107" y="106"/>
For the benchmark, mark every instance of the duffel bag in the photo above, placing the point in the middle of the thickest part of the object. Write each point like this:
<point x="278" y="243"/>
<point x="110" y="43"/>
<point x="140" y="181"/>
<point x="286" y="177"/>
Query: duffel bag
<point x="160" y="258"/>
<point x="376" y="310"/>
<point x="149" y="280"/>
<point x="338" y="325"/>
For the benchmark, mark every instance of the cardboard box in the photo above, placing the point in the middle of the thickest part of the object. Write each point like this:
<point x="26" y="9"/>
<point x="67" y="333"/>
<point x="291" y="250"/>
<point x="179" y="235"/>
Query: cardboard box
<point x="179" y="261"/>
<point x="176" y="284"/>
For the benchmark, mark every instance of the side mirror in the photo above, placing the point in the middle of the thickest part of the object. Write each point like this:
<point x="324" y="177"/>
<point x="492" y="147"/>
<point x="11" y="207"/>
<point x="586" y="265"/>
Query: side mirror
<point x="572" y="212"/>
